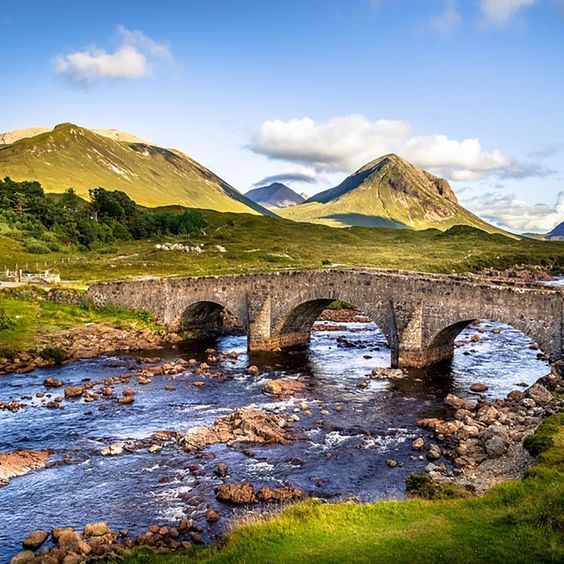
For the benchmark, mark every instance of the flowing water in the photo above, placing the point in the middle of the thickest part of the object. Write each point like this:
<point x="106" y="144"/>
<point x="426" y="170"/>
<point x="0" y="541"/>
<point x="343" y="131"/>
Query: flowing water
<point x="342" y="457"/>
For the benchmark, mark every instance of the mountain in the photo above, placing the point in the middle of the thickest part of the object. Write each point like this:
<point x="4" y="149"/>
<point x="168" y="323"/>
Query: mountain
<point x="388" y="192"/>
<point x="73" y="156"/>
<point x="275" y="195"/>
<point x="557" y="234"/>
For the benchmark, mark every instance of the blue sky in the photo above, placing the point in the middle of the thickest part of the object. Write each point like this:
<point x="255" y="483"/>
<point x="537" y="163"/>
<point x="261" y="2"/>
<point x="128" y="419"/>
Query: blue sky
<point x="310" y="90"/>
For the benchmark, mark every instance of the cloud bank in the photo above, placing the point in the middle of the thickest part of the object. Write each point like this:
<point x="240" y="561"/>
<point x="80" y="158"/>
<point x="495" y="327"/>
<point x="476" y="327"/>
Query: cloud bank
<point x="135" y="58"/>
<point x="345" y="143"/>
<point x="518" y="215"/>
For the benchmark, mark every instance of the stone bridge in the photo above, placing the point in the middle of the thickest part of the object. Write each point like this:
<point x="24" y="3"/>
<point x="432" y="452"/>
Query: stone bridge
<point x="420" y="314"/>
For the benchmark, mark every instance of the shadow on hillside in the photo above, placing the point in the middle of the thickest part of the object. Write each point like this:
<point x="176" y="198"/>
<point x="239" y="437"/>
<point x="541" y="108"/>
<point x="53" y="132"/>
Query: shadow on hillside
<point x="361" y="220"/>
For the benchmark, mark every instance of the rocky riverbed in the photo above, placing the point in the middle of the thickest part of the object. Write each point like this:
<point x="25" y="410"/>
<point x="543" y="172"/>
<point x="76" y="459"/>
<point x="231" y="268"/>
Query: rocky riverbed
<point x="168" y="448"/>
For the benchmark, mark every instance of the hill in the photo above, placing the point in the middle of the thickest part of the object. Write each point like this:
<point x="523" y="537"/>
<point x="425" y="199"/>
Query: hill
<point x="557" y="234"/>
<point x="73" y="156"/>
<point x="388" y="192"/>
<point x="275" y="195"/>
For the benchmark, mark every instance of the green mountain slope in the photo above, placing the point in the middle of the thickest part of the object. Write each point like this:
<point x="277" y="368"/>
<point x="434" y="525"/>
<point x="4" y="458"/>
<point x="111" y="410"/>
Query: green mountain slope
<point x="388" y="192"/>
<point x="72" y="156"/>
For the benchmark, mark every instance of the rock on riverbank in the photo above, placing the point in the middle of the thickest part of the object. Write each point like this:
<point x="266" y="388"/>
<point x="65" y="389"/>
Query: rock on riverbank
<point x="19" y="463"/>
<point x="485" y="439"/>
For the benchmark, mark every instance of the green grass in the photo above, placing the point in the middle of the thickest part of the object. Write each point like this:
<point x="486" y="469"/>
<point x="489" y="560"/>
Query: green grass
<point x="514" y="522"/>
<point x="255" y="243"/>
<point x="33" y="319"/>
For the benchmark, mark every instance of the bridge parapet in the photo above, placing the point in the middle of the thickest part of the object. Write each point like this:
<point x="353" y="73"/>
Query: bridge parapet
<point x="420" y="314"/>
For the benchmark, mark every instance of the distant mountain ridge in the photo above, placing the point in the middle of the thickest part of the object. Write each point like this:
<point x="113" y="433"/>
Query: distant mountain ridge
<point x="73" y="156"/>
<point x="9" y="137"/>
<point x="275" y="195"/>
<point x="388" y="192"/>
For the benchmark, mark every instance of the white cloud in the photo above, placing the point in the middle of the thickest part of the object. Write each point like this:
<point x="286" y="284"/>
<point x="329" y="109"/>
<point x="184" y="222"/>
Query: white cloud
<point x="343" y="144"/>
<point x="135" y="58"/>
<point x="497" y="13"/>
<point x="448" y="20"/>
<point x="519" y="216"/>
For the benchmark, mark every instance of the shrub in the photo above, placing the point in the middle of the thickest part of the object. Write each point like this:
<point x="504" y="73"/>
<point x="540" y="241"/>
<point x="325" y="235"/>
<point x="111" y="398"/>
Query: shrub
<point x="8" y="353"/>
<point x="54" y="355"/>
<point x="422" y="485"/>
<point x="5" y="321"/>
<point x="37" y="248"/>
<point x="144" y="316"/>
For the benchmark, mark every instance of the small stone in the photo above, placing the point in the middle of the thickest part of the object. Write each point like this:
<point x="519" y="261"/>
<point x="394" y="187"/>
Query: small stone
<point x="434" y="452"/>
<point x="478" y="387"/>
<point x="432" y="468"/>
<point x="221" y="470"/>
<point x="212" y="516"/>
<point x="392" y="463"/>
<point x="153" y="449"/>
<point x="253" y="370"/>
<point x="112" y="450"/>
<point x="127" y="400"/>
<point x="51" y="382"/>
<point x="418" y="444"/>
<point x="74" y="391"/>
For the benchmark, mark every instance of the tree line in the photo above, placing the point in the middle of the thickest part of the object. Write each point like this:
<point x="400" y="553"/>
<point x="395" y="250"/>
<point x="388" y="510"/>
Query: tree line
<point x="46" y="223"/>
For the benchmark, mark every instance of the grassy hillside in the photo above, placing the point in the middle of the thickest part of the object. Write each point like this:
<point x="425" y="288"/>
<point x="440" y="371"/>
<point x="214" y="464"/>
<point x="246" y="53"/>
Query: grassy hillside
<point x="254" y="243"/>
<point x="388" y="192"/>
<point x="72" y="156"/>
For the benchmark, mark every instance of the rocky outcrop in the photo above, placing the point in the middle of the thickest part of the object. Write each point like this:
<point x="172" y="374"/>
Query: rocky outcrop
<point x="244" y="494"/>
<point x="485" y="439"/>
<point x="246" y="425"/>
<point x="19" y="463"/>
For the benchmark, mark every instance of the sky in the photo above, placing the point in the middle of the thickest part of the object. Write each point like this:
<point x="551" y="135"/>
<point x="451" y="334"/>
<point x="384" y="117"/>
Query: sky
<point x="307" y="91"/>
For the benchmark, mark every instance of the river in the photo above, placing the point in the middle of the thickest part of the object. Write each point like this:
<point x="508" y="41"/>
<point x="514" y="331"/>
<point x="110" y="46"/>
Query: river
<point x="343" y="457"/>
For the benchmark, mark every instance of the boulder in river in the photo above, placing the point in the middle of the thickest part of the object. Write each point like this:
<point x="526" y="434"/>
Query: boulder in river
<point x="35" y="540"/>
<point x="238" y="494"/>
<point x="279" y="495"/>
<point x="284" y="387"/>
<point x="112" y="450"/>
<point x="51" y="382"/>
<point x="246" y="425"/>
<point x="387" y="373"/>
<point x="74" y="391"/>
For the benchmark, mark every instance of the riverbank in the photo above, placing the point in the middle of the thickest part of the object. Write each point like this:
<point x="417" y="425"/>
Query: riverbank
<point x="41" y="328"/>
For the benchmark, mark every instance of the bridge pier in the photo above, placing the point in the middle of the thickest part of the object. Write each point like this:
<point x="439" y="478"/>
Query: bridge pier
<point x="410" y="357"/>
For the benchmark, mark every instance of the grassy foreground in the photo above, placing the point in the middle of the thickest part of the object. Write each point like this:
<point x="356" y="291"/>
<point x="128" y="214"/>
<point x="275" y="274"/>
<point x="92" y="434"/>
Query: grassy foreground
<point x="514" y="522"/>
<point x="253" y="243"/>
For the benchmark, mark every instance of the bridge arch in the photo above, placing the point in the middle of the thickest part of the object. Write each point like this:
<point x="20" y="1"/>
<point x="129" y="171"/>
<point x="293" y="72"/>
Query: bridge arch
<point x="294" y="326"/>
<point x="440" y="344"/>
<point x="209" y="317"/>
